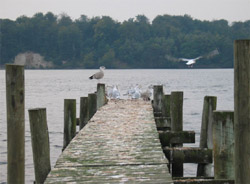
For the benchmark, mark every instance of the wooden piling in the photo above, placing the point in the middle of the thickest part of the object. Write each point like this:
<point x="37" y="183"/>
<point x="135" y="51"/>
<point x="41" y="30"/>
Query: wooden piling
<point x="241" y="110"/>
<point x="176" y="114"/>
<point x="69" y="121"/>
<point x="15" y="123"/>
<point x="101" y="97"/>
<point x="92" y="104"/>
<point x="166" y="106"/>
<point x="223" y="144"/>
<point x="206" y="136"/>
<point x="40" y="143"/>
<point x="84" y="112"/>
<point x="176" y="110"/>
<point x="157" y="101"/>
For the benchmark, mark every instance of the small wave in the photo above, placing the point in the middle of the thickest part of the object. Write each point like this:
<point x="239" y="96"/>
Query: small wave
<point x="3" y="163"/>
<point x="57" y="146"/>
<point x="195" y="113"/>
<point x="55" y="133"/>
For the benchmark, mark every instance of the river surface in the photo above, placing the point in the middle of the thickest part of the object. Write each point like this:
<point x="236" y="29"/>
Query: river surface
<point x="49" y="88"/>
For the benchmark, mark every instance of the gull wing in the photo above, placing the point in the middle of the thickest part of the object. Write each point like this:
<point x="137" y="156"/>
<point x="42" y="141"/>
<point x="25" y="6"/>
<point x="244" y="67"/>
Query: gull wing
<point x="198" y="58"/>
<point x="184" y="59"/>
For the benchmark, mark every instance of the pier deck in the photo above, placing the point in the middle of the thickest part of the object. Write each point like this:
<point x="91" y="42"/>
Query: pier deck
<point x="120" y="144"/>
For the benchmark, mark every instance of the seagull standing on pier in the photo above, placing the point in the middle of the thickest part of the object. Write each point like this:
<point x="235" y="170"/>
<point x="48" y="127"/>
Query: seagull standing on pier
<point x="190" y="62"/>
<point x="99" y="75"/>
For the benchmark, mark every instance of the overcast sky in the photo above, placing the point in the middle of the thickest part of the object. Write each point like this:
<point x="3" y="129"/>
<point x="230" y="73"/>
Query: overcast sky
<point x="120" y="10"/>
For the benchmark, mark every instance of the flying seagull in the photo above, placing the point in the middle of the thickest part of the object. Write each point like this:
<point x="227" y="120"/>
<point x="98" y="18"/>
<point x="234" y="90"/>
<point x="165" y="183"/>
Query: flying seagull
<point x="190" y="62"/>
<point x="99" y="74"/>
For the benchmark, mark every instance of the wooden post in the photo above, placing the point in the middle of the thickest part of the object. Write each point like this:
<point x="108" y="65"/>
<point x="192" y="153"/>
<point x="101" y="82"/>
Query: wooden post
<point x="84" y="112"/>
<point x="40" y="143"/>
<point x="101" y="97"/>
<point x="223" y="144"/>
<point x="241" y="110"/>
<point x="92" y="104"/>
<point x="176" y="114"/>
<point x="166" y="106"/>
<point x="206" y="135"/>
<point x="15" y="123"/>
<point x="158" y="97"/>
<point x="69" y="121"/>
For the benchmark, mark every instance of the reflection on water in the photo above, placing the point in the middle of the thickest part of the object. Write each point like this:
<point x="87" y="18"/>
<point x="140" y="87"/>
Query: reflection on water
<point x="49" y="88"/>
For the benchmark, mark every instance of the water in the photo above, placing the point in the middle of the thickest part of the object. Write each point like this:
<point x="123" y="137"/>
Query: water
<point x="49" y="88"/>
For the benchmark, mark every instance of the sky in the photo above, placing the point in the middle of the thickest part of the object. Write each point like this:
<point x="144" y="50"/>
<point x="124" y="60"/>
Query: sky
<point x="120" y="10"/>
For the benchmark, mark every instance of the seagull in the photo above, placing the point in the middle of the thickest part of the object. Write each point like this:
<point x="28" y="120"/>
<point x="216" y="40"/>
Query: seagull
<point x="99" y="74"/>
<point x="190" y="62"/>
<point x="137" y="93"/>
<point x="113" y="93"/>
<point x="147" y="94"/>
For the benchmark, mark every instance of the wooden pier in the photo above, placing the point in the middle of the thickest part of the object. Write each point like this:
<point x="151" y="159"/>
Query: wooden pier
<point x="120" y="144"/>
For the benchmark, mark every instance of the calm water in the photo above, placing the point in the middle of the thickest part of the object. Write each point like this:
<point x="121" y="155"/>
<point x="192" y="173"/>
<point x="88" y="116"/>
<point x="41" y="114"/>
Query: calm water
<point x="49" y="88"/>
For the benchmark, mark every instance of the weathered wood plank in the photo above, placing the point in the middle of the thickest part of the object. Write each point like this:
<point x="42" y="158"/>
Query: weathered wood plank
<point x="119" y="144"/>
<point x="170" y="137"/>
<point x="203" y="181"/>
<point x="188" y="155"/>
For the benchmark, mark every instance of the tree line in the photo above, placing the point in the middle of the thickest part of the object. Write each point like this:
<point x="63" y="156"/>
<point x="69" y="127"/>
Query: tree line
<point x="134" y="43"/>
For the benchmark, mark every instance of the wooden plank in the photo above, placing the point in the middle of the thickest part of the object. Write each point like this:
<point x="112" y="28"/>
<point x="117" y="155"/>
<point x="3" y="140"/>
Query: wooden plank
<point x="188" y="155"/>
<point x="119" y="144"/>
<point x="203" y="181"/>
<point x="170" y="137"/>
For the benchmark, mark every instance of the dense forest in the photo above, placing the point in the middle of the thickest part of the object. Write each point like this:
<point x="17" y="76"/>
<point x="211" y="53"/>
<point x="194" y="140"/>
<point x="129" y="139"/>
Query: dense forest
<point x="135" y="43"/>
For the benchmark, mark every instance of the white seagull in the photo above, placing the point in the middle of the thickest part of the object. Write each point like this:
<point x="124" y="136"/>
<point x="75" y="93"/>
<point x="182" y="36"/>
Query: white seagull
<point x="114" y="93"/>
<point x="190" y="62"/>
<point x="99" y="74"/>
